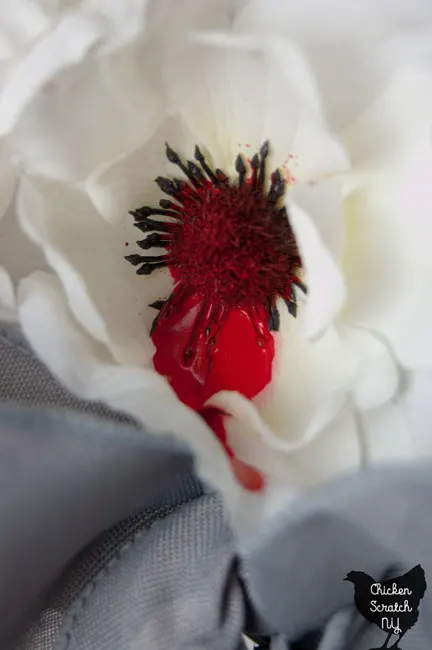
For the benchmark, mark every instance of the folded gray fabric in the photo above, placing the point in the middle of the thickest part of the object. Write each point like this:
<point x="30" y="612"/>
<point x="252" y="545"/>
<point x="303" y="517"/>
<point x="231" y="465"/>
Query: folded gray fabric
<point x="108" y="541"/>
<point x="65" y="478"/>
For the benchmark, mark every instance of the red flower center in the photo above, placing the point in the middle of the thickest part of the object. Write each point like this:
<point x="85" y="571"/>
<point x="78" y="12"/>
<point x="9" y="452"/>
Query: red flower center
<point x="231" y="252"/>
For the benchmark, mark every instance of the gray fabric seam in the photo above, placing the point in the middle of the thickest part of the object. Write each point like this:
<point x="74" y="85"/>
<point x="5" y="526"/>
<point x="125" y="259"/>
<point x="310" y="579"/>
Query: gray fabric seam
<point x="21" y="345"/>
<point x="79" y="606"/>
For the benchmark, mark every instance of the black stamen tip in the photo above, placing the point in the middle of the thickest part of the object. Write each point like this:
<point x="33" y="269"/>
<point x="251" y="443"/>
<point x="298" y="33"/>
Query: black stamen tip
<point x="301" y="286"/>
<point x="147" y="269"/>
<point x="255" y="162"/>
<point x="194" y="170"/>
<point x="134" y="259"/>
<point x="198" y="154"/>
<point x="167" y="186"/>
<point x="157" y="304"/>
<point x="274" y="320"/>
<point x="149" y="225"/>
<point x="152" y="240"/>
<point x="221" y="176"/>
<point x="166" y="204"/>
<point x="239" y="165"/>
<point x="172" y="156"/>
<point x="264" y="151"/>
<point x="292" y="306"/>
<point x="142" y="213"/>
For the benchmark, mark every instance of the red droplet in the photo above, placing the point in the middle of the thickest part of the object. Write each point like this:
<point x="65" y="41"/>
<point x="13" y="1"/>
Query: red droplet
<point x="249" y="477"/>
<point x="233" y="361"/>
<point x="247" y="145"/>
<point x="126" y="243"/>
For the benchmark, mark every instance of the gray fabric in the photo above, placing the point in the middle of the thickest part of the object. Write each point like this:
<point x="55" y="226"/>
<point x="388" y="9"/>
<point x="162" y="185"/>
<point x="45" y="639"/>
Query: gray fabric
<point x="166" y="576"/>
<point x="84" y="569"/>
<point x="63" y="480"/>
<point x="172" y="586"/>
<point x="24" y="380"/>
<point x="378" y="522"/>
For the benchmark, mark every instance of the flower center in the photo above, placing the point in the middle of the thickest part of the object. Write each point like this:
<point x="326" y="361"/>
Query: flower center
<point x="231" y="252"/>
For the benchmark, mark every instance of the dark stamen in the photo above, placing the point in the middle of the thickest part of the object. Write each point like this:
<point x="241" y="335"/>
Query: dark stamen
<point x="222" y="177"/>
<point x="148" y="259"/>
<point x="150" y="224"/>
<point x="201" y="159"/>
<point x="166" y="204"/>
<point x="168" y="187"/>
<point x="300" y="285"/>
<point x="240" y="168"/>
<point x="157" y="304"/>
<point x="196" y="174"/>
<point x="292" y="304"/>
<point x="277" y="188"/>
<point x="174" y="158"/>
<point x="147" y="269"/>
<point x="255" y="163"/>
<point x="143" y="213"/>
<point x="153" y="240"/>
<point x="274" y="319"/>
<point x="134" y="259"/>
<point x="264" y="151"/>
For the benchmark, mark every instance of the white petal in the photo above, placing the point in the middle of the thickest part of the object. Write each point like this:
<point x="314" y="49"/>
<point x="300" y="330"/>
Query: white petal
<point x="104" y="292"/>
<point x="308" y="390"/>
<point x="334" y="451"/>
<point x="309" y="385"/>
<point x="377" y="377"/>
<point x="7" y="297"/>
<point x="234" y="99"/>
<point x="62" y="100"/>
<point x="416" y="404"/>
<point x="84" y="367"/>
<point x="334" y="369"/>
<point x="356" y="51"/>
<point x="18" y="255"/>
<point x="286" y="404"/>
<point x="386" y="437"/>
<point x="21" y="23"/>
<point x="7" y="179"/>
<point x="322" y="201"/>
<point x="326" y="289"/>
<point x="387" y="264"/>
<point x="65" y="45"/>
<point x="395" y="130"/>
<point x="129" y="181"/>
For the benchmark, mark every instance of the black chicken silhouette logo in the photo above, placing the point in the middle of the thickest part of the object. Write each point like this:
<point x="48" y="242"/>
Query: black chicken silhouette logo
<point x="393" y="605"/>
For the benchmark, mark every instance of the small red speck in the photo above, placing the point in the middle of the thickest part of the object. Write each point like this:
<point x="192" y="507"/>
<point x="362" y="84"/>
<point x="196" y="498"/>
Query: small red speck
<point x="239" y="144"/>
<point x="247" y="145"/>
<point x="126" y="243"/>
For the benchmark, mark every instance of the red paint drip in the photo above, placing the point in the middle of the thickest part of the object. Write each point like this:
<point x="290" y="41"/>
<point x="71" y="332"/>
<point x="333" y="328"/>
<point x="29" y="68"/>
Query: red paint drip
<point x="230" y="361"/>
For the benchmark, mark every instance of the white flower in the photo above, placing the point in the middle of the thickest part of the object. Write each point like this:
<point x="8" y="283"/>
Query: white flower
<point x="350" y="371"/>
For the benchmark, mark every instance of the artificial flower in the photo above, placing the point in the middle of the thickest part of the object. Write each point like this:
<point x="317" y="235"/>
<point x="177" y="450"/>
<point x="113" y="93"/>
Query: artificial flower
<point x="284" y="245"/>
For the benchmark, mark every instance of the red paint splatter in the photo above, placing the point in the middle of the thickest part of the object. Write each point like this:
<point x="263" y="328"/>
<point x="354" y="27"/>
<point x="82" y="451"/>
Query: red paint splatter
<point x="247" y="145"/>
<point x="126" y="243"/>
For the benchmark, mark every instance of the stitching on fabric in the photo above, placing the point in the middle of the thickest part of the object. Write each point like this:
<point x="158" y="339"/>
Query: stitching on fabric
<point x="13" y="339"/>
<point x="79" y="606"/>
